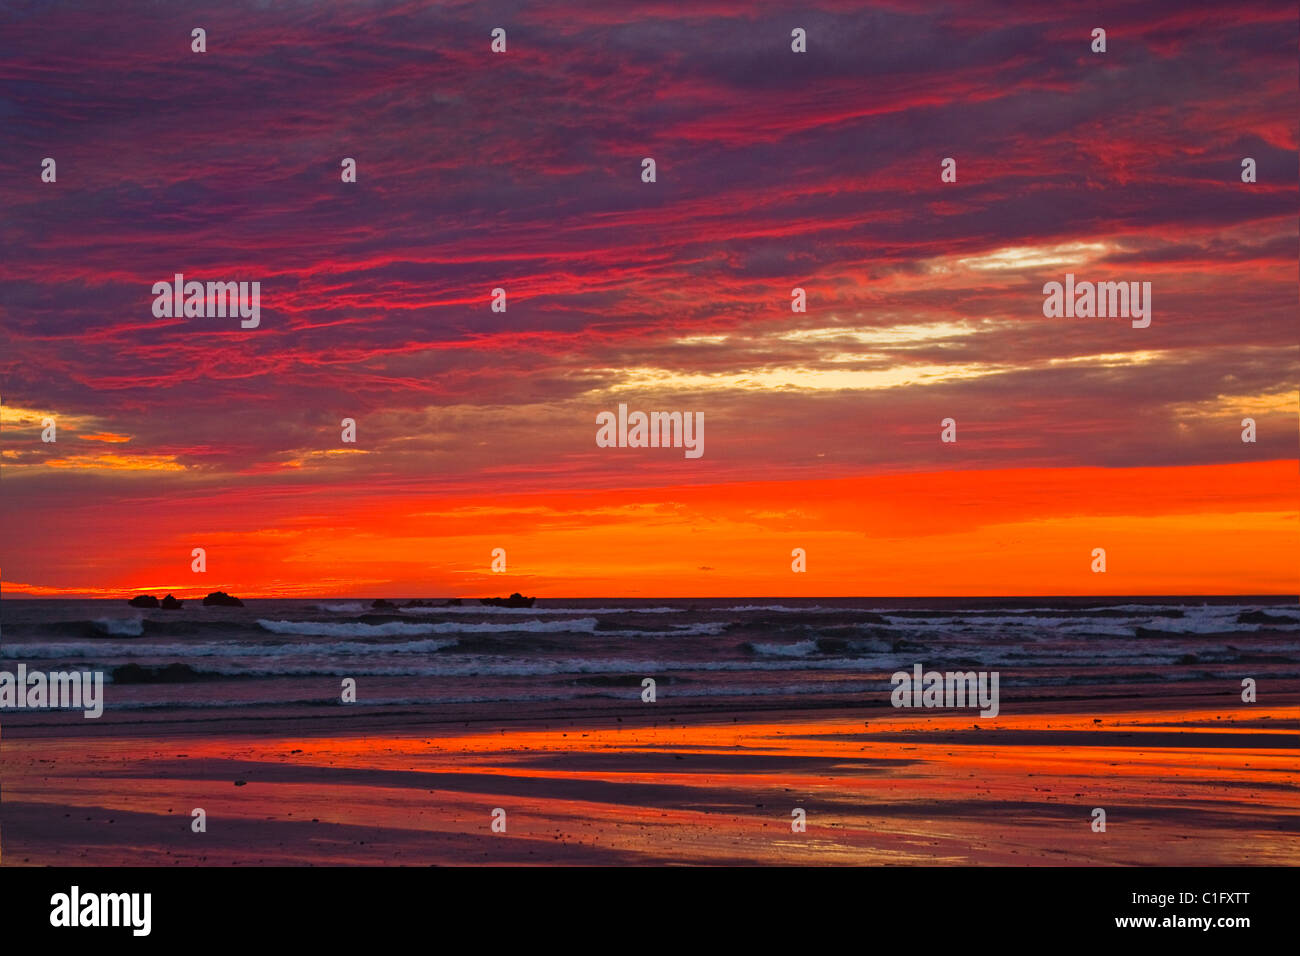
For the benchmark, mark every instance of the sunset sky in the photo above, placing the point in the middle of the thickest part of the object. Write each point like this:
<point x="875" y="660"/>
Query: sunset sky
<point x="476" y="429"/>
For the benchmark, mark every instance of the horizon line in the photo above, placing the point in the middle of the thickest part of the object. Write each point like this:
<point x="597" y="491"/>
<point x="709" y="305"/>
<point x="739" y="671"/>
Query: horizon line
<point x="698" y="597"/>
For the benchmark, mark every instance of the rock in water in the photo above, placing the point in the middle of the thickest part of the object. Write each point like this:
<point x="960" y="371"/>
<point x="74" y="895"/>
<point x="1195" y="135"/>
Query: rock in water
<point x="222" y="599"/>
<point x="143" y="600"/>
<point x="515" y="600"/>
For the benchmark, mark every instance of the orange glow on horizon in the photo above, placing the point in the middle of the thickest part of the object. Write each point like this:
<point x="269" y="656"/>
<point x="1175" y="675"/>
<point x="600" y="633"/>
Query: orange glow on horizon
<point x="1215" y="529"/>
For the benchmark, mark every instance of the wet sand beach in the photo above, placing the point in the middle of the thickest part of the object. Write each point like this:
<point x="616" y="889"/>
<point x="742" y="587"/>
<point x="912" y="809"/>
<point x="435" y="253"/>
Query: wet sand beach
<point x="1186" y="781"/>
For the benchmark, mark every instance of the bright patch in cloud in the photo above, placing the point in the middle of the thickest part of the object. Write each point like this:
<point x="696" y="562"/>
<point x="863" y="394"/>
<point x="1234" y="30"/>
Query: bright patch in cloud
<point x="1018" y="258"/>
<point x="116" y="463"/>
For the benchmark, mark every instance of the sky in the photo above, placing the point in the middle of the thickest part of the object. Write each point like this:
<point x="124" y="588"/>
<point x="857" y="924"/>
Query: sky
<point x="774" y="170"/>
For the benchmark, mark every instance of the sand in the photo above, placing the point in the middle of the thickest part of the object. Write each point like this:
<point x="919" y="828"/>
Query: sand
<point x="1185" y="783"/>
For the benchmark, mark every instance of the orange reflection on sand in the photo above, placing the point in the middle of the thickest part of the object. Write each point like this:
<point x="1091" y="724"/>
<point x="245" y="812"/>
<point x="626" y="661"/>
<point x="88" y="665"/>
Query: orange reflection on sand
<point x="1178" y="786"/>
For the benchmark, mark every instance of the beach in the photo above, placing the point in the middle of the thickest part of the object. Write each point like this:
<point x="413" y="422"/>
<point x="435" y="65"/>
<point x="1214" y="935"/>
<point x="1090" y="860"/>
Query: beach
<point x="1186" y="772"/>
<point x="1186" y="785"/>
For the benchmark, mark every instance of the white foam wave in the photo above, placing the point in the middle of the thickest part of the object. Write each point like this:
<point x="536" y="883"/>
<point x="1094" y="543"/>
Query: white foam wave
<point x="585" y="625"/>
<point x="801" y="649"/>
<point x="781" y="608"/>
<point x="120" y="626"/>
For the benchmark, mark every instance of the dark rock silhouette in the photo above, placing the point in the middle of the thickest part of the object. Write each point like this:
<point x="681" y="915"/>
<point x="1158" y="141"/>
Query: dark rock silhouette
<point x="143" y="600"/>
<point x="169" y="603"/>
<point x="381" y="603"/>
<point x="221" y="599"/>
<point x="515" y="600"/>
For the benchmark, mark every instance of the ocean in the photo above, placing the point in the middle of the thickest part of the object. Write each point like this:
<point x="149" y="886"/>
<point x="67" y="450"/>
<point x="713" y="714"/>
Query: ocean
<point x="567" y="659"/>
